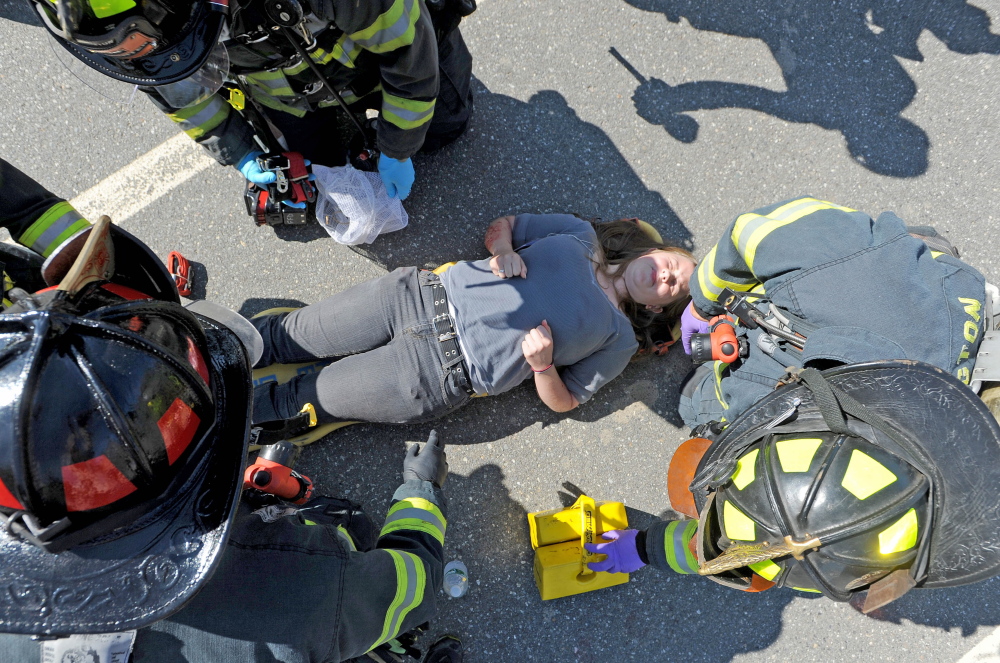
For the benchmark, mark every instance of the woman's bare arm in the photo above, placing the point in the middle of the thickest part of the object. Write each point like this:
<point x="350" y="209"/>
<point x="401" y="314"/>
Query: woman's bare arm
<point x="537" y="349"/>
<point x="505" y="263"/>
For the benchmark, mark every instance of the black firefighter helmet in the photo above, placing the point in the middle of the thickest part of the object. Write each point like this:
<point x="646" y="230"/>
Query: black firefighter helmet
<point x="142" y="42"/>
<point x="879" y="476"/>
<point x="123" y="426"/>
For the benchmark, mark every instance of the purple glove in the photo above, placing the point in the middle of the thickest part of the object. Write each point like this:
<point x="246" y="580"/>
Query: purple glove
<point x="623" y="556"/>
<point x="690" y="325"/>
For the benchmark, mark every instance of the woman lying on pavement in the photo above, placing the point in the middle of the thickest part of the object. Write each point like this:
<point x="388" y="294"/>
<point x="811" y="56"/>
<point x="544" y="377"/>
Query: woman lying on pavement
<point x="561" y="299"/>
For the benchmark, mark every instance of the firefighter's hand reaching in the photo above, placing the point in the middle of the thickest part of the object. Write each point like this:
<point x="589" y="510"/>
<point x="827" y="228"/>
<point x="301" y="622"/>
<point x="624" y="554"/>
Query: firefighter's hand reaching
<point x="251" y="170"/>
<point x="622" y="553"/>
<point x="427" y="464"/>
<point x="508" y="265"/>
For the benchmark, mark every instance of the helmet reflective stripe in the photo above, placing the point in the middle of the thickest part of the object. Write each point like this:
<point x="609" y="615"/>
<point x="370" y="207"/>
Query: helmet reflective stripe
<point x="52" y="228"/>
<point x="178" y="425"/>
<point x="900" y="536"/>
<point x="797" y="455"/>
<point x="865" y="476"/>
<point x="745" y="470"/>
<point x="738" y="525"/>
<point x="7" y="498"/>
<point x="766" y="569"/>
<point x="105" y="8"/>
<point x="94" y="483"/>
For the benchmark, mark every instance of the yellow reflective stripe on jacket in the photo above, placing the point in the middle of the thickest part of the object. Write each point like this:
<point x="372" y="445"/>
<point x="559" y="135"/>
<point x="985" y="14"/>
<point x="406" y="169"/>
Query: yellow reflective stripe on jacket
<point x="411" y="579"/>
<point x="272" y="89"/>
<point x="345" y="51"/>
<point x="199" y="119"/>
<point x="751" y="229"/>
<point x="406" y="113"/>
<point x="712" y="284"/>
<point x="55" y="226"/>
<point x="675" y="545"/>
<point x="416" y="513"/>
<point x="319" y="56"/>
<point x="718" y="367"/>
<point x="391" y="30"/>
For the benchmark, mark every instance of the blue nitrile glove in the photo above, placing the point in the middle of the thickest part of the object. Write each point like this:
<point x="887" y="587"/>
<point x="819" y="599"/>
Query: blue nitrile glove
<point x="397" y="176"/>
<point x="251" y="169"/>
<point x="691" y="325"/>
<point x="619" y="546"/>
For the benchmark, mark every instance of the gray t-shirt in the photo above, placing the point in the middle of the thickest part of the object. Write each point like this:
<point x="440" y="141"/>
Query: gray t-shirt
<point x="593" y="341"/>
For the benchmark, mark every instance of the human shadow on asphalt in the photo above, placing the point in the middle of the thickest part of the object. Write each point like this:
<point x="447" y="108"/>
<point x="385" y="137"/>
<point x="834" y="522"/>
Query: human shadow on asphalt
<point x="535" y="156"/>
<point x="656" y="616"/>
<point x="966" y="608"/>
<point x="839" y="64"/>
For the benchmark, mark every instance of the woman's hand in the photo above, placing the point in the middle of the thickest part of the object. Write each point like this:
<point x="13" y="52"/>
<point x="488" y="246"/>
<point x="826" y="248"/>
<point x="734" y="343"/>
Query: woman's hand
<point x="508" y="265"/>
<point x="537" y="347"/>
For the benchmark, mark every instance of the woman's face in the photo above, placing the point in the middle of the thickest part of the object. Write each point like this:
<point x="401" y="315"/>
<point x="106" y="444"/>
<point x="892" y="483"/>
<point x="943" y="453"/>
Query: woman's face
<point x="659" y="278"/>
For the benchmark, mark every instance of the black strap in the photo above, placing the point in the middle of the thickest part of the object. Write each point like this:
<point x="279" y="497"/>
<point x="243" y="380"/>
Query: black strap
<point x="270" y="432"/>
<point x="833" y="403"/>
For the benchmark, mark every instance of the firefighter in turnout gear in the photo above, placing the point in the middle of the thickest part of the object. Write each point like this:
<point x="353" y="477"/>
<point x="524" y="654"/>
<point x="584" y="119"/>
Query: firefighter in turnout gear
<point x="853" y="472"/>
<point x="875" y="477"/>
<point x="125" y="525"/>
<point x="227" y="71"/>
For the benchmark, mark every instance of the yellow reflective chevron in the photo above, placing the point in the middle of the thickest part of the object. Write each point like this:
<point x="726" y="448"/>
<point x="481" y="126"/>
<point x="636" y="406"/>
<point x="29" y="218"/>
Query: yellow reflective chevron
<point x="899" y="536"/>
<point x="391" y="30"/>
<point x="416" y="513"/>
<point x="712" y="284"/>
<point x="105" y="8"/>
<point x="411" y="579"/>
<point x="199" y="119"/>
<point x="738" y="525"/>
<point x="766" y="569"/>
<point x="751" y="229"/>
<point x="718" y="368"/>
<point x="746" y="470"/>
<point x="57" y="224"/>
<point x="796" y="455"/>
<point x="865" y="476"/>
<point x="406" y="113"/>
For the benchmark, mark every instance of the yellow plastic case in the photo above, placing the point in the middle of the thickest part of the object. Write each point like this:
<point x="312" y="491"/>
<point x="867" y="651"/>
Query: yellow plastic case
<point x="557" y="537"/>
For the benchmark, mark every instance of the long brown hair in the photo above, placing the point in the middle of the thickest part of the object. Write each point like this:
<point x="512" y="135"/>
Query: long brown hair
<point x="621" y="242"/>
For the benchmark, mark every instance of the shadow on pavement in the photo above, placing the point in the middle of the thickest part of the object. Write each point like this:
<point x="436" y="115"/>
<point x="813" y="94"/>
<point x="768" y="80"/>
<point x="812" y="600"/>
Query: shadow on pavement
<point x="19" y="12"/>
<point x="535" y="156"/>
<point x="839" y="64"/>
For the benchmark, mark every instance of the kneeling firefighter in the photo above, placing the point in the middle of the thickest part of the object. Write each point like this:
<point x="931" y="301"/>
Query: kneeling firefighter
<point x="874" y="477"/>
<point x="230" y="73"/>
<point x="869" y="468"/>
<point x="121" y="477"/>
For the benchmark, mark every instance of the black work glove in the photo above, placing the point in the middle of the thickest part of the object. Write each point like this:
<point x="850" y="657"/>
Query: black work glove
<point x="427" y="464"/>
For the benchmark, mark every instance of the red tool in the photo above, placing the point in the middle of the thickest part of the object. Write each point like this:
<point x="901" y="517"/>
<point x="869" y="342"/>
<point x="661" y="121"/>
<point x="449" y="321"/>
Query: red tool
<point x="180" y="270"/>
<point x="272" y="473"/>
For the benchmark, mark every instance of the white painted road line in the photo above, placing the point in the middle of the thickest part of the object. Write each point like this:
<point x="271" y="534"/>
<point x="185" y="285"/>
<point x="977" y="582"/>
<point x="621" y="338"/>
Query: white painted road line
<point x="987" y="651"/>
<point x="145" y="180"/>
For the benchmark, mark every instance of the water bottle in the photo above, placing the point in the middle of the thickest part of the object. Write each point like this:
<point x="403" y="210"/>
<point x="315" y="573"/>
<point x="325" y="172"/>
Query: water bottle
<point x="456" y="578"/>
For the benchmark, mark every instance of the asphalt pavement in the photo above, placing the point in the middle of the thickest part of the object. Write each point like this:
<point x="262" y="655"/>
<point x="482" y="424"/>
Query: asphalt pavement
<point x="712" y="108"/>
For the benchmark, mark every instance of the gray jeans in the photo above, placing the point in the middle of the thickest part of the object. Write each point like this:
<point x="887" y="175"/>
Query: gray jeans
<point x="387" y="359"/>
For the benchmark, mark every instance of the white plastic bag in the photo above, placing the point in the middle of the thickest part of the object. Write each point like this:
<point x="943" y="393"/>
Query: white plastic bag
<point x="353" y="205"/>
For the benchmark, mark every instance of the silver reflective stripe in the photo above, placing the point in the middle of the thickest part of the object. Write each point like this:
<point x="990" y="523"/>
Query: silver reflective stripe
<point x="416" y="514"/>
